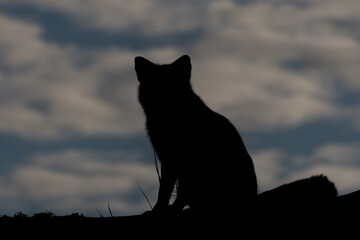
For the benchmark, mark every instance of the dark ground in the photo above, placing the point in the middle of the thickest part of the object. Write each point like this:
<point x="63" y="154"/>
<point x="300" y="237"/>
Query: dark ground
<point x="339" y="218"/>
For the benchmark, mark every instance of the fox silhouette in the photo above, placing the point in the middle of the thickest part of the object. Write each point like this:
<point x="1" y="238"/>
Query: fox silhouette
<point x="197" y="147"/>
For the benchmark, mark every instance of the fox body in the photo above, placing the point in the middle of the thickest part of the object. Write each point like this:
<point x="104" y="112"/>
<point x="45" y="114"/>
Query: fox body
<point x="197" y="147"/>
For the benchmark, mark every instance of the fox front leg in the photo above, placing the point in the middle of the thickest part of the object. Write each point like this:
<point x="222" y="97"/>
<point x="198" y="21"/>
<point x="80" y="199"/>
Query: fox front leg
<point x="167" y="183"/>
<point x="181" y="200"/>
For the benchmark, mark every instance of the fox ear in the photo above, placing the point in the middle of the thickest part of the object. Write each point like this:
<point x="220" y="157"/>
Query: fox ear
<point x="183" y="65"/>
<point x="142" y="68"/>
<point x="141" y="63"/>
<point x="183" y="61"/>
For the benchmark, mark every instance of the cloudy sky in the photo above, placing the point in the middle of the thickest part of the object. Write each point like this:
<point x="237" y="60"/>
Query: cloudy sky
<point x="72" y="138"/>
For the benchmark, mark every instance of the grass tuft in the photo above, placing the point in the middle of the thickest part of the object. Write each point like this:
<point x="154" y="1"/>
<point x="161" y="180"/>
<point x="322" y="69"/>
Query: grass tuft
<point x="147" y="199"/>
<point x="110" y="210"/>
<point x="44" y="214"/>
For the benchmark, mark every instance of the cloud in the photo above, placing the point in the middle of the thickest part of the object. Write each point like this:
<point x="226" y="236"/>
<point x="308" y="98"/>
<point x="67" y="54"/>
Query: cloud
<point x="259" y="97"/>
<point x="268" y="73"/>
<point x="85" y="181"/>
<point x="267" y="66"/>
<point x="149" y="18"/>
<point x="81" y="181"/>
<point x="49" y="91"/>
<point x="339" y="153"/>
<point x="261" y="74"/>
<point x="268" y="167"/>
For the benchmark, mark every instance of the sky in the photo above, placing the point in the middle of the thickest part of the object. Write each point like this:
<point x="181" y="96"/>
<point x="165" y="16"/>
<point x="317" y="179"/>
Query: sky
<point x="72" y="136"/>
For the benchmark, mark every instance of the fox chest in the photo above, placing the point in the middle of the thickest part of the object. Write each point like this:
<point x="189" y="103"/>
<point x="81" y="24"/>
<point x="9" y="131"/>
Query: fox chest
<point x="176" y="138"/>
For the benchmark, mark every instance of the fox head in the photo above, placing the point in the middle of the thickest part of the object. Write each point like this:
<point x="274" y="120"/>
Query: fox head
<point x="175" y="73"/>
<point x="163" y="84"/>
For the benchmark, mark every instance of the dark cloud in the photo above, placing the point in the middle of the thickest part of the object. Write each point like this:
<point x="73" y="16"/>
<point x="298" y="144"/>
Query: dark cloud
<point x="64" y="29"/>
